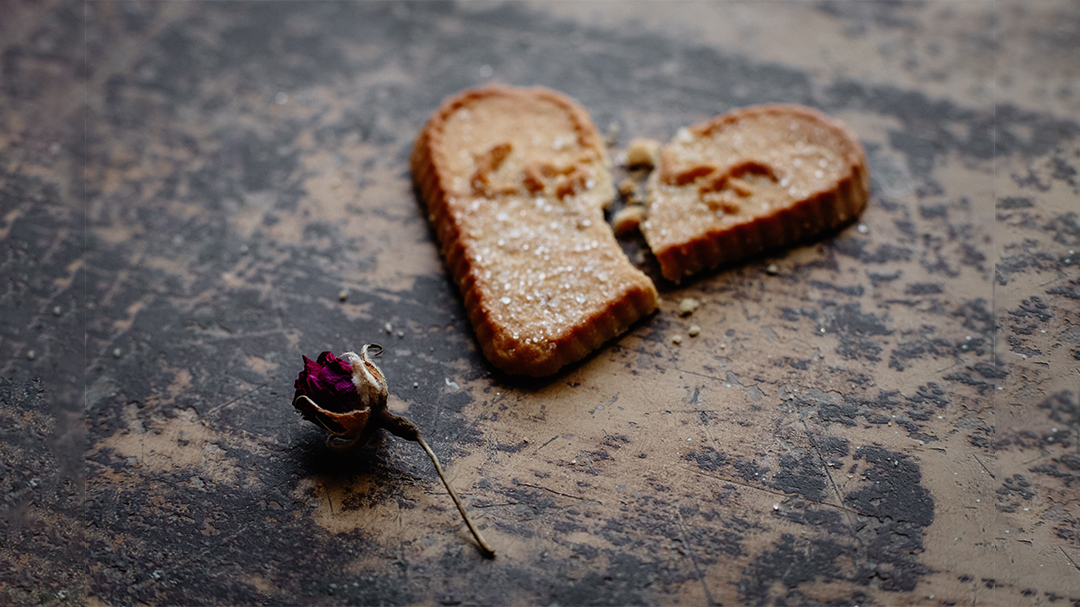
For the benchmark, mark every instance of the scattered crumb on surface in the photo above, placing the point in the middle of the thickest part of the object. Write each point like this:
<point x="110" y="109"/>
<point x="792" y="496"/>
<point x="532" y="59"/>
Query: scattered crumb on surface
<point x="628" y="219"/>
<point x="389" y="328"/>
<point x="687" y="306"/>
<point x="643" y="152"/>
<point x="612" y="134"/>
<point x="694" y="330"/>
<point x="116" y="352"/>
<point x="772" y="270"/>
<point x="676" y="340"/>
<point x="30" y="355"/>
<point x="343" y="295"/>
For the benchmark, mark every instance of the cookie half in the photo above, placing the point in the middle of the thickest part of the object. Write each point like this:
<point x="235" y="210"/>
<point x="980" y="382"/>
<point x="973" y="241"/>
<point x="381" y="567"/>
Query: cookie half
<point x="749" y="180"/>
<point x="515" y="182"/>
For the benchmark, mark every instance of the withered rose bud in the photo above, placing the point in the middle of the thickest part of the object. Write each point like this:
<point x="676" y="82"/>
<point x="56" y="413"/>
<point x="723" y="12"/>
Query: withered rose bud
<point x="342" y="394"/>
<point x="347" y="395"/>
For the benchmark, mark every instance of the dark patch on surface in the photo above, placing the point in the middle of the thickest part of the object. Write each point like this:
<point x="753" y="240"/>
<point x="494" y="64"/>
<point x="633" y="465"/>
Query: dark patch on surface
<point x="857" y="249"/>
<point x="834" y="445"/>
<point x="852" y="326"/>
<point x="849" y="319"/>
<point x="853" y="290"/>
<point x="976" y="376"/>
<point x="877" y="278"/>
<point x="923" y="288"/>
<point x="1062" y="407"/>
<point x="794" y="314"/>
<point x="900" y="509"/>
<point x="1015" y="345"/>
<point x="1010" y="203"/>
<point x="919" y="346"/>
<point x="804" y="476"/>
<point x="1032" y="309"/>
<point x="824" y="519"/>
<point x="42" y="560"/>
<point x="801" y="364"/>
<point x="976" y="316"/>
<point x="1065" y="228"/>
<point x="884" y="555"/>
<point x="934" y="211"/>
<point x="707" y="459"/>
<point x="843" y="414"/>
<point x="1015" y="486"/>
<point x="930" y="394"/>
<point x="791" y="562"/>
<point x="749" y="470"/>
<point x="895" y="492"/>
<point x="860" y="20"/>
<point x="43" y="247"/>
<point x="1066" y="291"/>
<point x="1023" y="257"/>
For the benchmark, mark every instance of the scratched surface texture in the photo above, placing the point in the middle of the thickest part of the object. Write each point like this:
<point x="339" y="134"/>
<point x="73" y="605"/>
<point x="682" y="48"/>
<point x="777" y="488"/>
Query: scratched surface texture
<point x="889" y="416"/>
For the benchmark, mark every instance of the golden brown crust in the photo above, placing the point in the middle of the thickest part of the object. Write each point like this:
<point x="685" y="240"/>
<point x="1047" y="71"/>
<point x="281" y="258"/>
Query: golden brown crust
<point x="517" y="206"/>
<point x="750" y="180"/>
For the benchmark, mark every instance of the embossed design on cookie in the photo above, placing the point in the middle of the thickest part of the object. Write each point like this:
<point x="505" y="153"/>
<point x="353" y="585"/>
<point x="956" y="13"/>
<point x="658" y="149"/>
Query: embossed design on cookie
<point x="750" y="180"/>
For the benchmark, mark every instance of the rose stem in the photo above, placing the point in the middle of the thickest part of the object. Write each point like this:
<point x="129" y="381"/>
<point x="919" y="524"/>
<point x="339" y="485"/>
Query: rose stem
<point x="484" y="548"/>
<point x="404" y="428"/>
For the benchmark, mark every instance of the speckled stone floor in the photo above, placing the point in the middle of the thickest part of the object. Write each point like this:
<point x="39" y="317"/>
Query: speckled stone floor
<point x="889" y="417"/>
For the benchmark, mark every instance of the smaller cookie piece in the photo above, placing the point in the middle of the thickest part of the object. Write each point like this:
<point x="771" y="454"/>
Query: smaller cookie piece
<point x="749" y="180"/>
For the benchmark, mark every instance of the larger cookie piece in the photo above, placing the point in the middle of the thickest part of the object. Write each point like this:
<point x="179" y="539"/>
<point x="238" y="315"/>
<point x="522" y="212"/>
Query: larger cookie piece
<point x="750" y="180"/>
<point x="515" y="182"/>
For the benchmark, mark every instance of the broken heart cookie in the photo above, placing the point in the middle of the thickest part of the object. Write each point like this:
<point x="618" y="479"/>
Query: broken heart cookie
<point x="515" y="182"/>
<point x="750" y="180"/>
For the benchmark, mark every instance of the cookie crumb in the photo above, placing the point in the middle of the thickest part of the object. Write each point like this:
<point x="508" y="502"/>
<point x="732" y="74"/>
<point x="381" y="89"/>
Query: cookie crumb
<point x="612" y="134"/>
<point x="694" y="330"/>
<point x="56" y="311"/>
<point x="343" y="295"/>
<point x="627" y="186"/>
<point x="676" y="340"/>
<point x="628" y="219"/>
<point x="30" y="355"/>
<point x="116" y="352"/>
<point x="389" y="328"/>
<point x="643" y="152"/>
<point x="772" y="270"/>
<point x="687" y="306"/>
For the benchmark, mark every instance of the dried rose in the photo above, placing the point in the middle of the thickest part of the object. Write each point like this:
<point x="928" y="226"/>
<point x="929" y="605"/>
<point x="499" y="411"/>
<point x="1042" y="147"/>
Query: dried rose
<point x="342" y="395"/>
<point x="347" y="395"/>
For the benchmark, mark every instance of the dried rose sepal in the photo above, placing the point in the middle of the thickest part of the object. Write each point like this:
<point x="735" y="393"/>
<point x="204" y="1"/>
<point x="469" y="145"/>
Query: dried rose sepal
<point x="347" y="396"/>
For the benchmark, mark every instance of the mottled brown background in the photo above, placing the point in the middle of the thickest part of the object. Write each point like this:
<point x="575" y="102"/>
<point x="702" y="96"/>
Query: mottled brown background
<point x="185" y="188"/>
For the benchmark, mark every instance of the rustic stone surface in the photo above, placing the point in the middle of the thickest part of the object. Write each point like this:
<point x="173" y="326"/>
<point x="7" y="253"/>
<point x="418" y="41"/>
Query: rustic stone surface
<point x="888" y="416"/>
